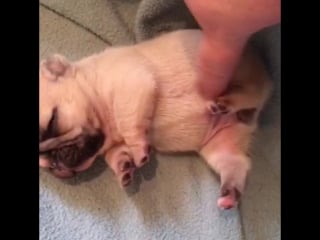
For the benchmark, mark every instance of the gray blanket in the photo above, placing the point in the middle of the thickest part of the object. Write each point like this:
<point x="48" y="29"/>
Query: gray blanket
<point x="174" y="196"/>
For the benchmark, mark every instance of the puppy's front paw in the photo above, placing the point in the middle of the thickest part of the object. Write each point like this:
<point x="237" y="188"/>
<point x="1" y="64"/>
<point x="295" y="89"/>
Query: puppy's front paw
<point x="126" y="177"/>
<point x="125" y="170"/>
<point x="141" y="154"/>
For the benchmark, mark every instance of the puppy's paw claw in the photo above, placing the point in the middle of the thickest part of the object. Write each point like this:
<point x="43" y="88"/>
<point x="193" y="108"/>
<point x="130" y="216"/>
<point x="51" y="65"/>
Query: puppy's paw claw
<point x="141" y="155"/>
<point x="126" y="178"/>
<point x="126" y="165"/>
<point x="220" y="106"/>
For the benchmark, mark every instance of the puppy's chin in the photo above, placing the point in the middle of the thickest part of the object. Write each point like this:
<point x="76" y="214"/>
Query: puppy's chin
<point x="62" y="171"/>
<point x="85" y="165"/>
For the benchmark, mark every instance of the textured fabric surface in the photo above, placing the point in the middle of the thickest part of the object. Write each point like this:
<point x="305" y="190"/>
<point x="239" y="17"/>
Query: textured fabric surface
<point x="58" y="35"/>
<point x="174" y="196"/>
<point x="98" y="16"/>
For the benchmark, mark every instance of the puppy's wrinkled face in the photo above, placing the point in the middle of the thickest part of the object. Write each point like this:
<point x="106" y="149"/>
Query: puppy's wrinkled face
<point x="67" y="140"/>
<point x="59" y="89"/>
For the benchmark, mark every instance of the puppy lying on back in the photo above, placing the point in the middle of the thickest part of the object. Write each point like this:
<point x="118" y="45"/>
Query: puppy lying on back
<point x="120" y="102"/>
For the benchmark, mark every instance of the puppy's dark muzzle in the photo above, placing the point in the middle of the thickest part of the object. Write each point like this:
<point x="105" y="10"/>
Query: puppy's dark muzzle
<point x="69" y="151"/>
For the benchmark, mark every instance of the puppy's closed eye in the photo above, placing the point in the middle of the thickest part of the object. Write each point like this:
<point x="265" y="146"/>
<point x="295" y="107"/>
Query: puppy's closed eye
<point x="52" y="128"/>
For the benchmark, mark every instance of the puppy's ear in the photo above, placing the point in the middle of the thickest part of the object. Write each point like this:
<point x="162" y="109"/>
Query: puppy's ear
<point x="56" y="66"/>
<point x="68" y="138"/>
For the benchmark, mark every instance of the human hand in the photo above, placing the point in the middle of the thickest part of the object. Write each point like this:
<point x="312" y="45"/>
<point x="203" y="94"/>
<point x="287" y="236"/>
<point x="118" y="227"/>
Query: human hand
<point x="227" y="25"/>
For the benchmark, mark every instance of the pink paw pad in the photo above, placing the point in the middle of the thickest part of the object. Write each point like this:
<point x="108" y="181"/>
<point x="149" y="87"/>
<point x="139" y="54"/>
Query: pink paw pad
<point x="229" y="199"/>
<point x="226" y="202"/>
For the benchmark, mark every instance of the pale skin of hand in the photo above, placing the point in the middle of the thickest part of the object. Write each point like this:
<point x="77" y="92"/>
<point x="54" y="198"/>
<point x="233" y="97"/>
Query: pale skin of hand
<point x="227" y="26"/>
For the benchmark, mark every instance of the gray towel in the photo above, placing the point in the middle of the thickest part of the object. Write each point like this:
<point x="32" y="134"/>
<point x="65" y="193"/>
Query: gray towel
<point x="175" y="196"/>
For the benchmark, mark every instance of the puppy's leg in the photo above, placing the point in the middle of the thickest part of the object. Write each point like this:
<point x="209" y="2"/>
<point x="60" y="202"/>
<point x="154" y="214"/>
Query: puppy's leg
<point x="234" y="102"/>
<point x="226" y="153"/>
<point x="120" y="161"/>
<point x="249" y="89"/>
<point x="133" y="107"/>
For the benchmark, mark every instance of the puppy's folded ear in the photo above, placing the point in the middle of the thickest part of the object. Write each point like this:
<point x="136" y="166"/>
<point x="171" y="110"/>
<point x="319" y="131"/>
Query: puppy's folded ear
<point x="55" y="66"/>
<point x="68" y="138"/>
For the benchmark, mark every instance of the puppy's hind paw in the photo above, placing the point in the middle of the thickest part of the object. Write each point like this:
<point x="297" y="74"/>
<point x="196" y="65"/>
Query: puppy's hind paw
<point x="219" y="107"/>
<point x="229" y="198"/>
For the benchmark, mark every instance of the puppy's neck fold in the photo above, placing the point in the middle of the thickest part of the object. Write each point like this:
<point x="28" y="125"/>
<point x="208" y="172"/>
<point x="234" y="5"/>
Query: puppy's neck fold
<point x="96" y="90"/>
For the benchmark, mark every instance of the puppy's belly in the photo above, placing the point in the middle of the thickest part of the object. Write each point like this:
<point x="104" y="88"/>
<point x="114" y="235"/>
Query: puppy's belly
<point x="180" y="124"/>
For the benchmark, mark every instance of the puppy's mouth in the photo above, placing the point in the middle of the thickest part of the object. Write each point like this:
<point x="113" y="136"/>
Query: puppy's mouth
<point x="58" y="169"/>
<point x="61" y="172"/>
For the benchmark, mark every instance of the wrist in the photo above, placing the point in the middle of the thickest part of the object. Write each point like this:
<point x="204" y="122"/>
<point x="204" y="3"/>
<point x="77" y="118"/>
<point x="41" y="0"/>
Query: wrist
<point x="217" y="61"/>
<point x="227" y="37"/>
